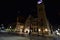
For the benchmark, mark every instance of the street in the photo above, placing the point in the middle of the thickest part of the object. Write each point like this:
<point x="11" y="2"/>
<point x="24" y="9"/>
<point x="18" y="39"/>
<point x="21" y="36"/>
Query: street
<point x="7" y="36"/>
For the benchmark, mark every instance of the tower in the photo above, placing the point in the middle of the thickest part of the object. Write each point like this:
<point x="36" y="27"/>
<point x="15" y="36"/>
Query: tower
<point x="17" y="24"/>
<point x="43" y="23"/>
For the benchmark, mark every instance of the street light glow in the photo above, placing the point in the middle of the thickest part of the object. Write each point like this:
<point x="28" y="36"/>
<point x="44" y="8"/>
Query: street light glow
<point x="10" y="26"/>
<point x="46" y="29"/>
<point x="39" y="30"/>
<point x="58" y="29"/>
<point x="27" y="30"/>
<point x="39" y="1"/>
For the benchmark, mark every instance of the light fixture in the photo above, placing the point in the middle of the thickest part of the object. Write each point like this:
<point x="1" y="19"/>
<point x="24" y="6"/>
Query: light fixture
<point x="39" y="2"/>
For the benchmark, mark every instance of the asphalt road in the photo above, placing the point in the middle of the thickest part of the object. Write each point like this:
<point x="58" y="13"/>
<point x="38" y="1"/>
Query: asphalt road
<point x="12" y="36"/>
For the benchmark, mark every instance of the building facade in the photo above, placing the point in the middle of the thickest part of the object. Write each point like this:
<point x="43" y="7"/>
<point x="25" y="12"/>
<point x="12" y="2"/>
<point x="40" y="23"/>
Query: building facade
<point x="39" y="25"/>
<point x="19" y="27"/>
<point x="42" y="19"/>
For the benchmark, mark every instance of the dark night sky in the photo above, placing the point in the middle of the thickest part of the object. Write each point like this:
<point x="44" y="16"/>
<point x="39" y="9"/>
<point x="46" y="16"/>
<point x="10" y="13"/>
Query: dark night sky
<point x="53" y="11"/>
<point x="8" y="10"/>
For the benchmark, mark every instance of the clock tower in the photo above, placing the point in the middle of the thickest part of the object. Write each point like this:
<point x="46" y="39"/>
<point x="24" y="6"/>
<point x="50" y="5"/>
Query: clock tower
<point x="43" y="23"/>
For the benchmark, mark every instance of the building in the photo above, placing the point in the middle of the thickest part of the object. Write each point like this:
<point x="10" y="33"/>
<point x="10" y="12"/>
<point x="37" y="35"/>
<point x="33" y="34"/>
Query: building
<point x="39" y="25"/>
<point x="19" y="27"/>
<point x="42" y="19"/>
<point x="31" y="24"/>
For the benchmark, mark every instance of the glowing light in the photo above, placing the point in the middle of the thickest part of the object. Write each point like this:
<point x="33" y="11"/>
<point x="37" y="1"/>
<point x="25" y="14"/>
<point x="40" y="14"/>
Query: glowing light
<point x="58" y="29"/>
<point x="39" y="30"/>
<point x="39" y="1"/>
<point x="26" y="30"/>
<point x="58" y="33"/>
<point x="46" y="29"/>
<point x="10" y="26"/>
